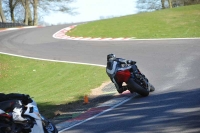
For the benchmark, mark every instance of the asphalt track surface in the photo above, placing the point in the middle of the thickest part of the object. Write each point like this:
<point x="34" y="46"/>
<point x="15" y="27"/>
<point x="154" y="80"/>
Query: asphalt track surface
<point x="172" y="66"/>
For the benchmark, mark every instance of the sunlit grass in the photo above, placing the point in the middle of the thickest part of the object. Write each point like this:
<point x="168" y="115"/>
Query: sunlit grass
<point x="50" y="83"/>
<point x="169" y="23"/>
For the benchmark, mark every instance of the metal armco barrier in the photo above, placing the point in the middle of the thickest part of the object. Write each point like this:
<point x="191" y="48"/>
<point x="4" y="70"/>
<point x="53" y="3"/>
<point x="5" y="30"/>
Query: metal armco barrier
<point x="9" y="25"/>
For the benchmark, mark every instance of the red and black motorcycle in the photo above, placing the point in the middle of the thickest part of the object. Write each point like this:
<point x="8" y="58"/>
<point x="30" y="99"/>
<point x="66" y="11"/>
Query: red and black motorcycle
<point x="125" y="71"/>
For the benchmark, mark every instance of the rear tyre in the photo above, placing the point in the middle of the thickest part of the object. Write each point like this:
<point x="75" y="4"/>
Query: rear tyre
<point x="134" y="87"/>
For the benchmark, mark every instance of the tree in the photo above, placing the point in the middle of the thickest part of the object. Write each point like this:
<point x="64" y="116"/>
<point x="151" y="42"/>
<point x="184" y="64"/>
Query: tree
<point x="9" y="8"/>
<point x="191" y="2"/>
<point x="163" y="4"/>
<point x="35" y="7"/>
<point x="56" y="6"/>
<point x="52" y="5"/>
<point x="170" y="3"/>
<point x="2" y="16"/>
<point x="12" y="5"/>
<point x="29" y="10"/>
<point x="149" y="5"/>
<point x="26" y="11"/>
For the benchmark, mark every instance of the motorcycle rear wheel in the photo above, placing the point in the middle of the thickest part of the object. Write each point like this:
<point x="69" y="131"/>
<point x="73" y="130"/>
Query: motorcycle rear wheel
<point x="134" y="87"/>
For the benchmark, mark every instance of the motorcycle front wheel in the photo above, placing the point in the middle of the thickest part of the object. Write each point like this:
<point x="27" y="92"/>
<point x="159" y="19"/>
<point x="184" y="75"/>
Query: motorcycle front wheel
<point x="48" y="126"/>
<point x="134" y="87"/>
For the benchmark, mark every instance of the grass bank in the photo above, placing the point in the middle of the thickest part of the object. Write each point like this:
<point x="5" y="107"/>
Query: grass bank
<point x="181" y="22"/>
<point x="50" y="83"/>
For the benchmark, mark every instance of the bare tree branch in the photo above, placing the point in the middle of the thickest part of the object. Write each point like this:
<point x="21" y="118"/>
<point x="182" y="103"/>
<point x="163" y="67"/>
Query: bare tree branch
<point x="2" y="16"/>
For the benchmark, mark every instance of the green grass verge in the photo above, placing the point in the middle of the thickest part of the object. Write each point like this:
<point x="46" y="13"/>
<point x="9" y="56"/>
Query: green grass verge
<point x="51" y="84"/>
<point x="178" y="22"/>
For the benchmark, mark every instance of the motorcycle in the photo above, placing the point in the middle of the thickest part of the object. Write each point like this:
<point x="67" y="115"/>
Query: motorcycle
<point x="34" y="123"/>
<point x="125" y="71"/>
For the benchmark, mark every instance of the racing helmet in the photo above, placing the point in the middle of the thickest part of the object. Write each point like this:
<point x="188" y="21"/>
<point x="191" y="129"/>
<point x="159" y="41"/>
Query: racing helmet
<point x="111" y="57"/>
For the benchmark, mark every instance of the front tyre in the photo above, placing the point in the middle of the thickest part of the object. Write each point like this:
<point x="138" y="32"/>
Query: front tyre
<point x="48" y="126"/>
<point x="134" y="87"/>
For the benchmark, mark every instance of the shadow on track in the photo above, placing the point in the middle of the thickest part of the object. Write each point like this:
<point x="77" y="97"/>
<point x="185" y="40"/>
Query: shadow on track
<point x="168" y="112"/>
<point x="69" y="109"/>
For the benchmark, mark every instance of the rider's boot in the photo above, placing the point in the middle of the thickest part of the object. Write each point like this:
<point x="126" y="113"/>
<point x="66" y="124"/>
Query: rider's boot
<point x="152" y="88"/>
<point x="122" y="89"/>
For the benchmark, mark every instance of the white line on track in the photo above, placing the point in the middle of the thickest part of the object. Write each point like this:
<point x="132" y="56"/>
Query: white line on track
<point x="52" y="60"/>
<point x="111" y="108"/>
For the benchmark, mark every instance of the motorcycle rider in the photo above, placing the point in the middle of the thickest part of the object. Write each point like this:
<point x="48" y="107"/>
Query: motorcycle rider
<point x="12" y="103"/>
<point x="128" y="64"/>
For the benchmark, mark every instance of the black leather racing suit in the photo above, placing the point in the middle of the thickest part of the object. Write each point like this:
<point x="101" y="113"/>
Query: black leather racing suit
<point x="119" y="61"/>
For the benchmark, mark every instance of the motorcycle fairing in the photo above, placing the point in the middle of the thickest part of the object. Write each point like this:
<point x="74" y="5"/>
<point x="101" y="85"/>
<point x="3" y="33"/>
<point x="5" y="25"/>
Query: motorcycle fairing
<point x="1" y="111"/>
<point x="112" y="68"/>
<point x="38" y="127"/>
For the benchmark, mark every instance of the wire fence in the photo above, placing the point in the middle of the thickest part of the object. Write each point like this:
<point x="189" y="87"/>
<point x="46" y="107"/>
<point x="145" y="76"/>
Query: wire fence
<point x="9" y="25"/>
